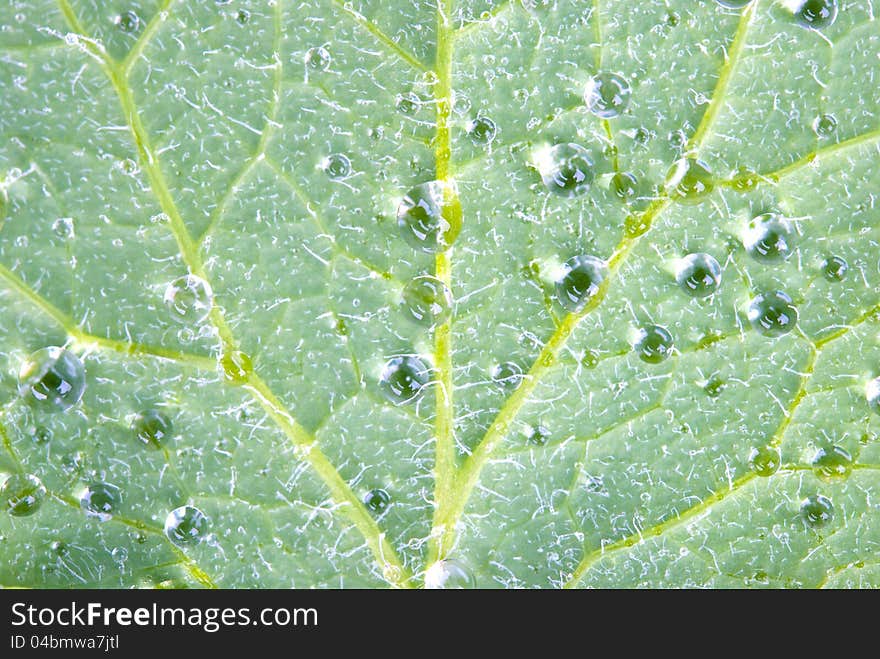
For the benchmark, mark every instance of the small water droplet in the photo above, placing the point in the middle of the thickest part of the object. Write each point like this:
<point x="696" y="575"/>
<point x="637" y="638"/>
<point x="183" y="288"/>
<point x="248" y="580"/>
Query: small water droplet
<point x="677" y="139"/>
<point x="404" y="379"/>
<point x="101" y="500"/>
<point x="318" y="58"/>
<point x="429" y="217"/>
<point x="733" y="4"/>
<point x="186" y="525"/>
<point x="825" y="125"/>
<point x="623" y="184"/>
<point x="63" y="227"/>
<point x="377" y="500"/>
<point x="337" y="166"/>
<point x="768" y="237"/>
<point x="832" y="463"/>
<point x="654" y="344"/>
<point x="872" y="393"/>
<point x="482" y="130"/>
<point x="507" y="374"/>
<point x="689" y="180"/>
<point x="579" y="280"/>
<point x="53" y="378"/>
<point x="189" y="298"/>
<point x="427" y="300"/>
<point x="152" y="428"/>
<point x="764" y="461"/>
<point x="773" y="314"/>
<point x="714" y="387"/>
<point x="243" y="16"/>
<point x="817" y="510"/>
<point x="590" y="359"/>
<point x="642" y="136"/>
<point x="407" y="103"/>
<point x="23" y="494"/>
<point x="448" y="574"/>
<point x="817" y="14"/>
<point x="236" y="366"/>
<point x="835" y="268"/>
<point x="744" y="179"/>
<point x="607" y="95"/>
<point x="698" y="274"/>
<point x="566" y="169"/>
<point x="636" y="224"/>
<point x="128" y="22"/>
<point x="538" y="435"/>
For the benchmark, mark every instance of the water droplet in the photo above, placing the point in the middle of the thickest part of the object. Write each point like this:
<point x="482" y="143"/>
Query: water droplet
<point x="404" y="379"/>
<point x="607" y="95"/>
<point x="538" y="435"/>
<point x="590" y="359"/>
<point x="566" y="169"/>
<point x="642" y="136"/>
<point x="243" y="16"/>
<point x="318" y="58"/>
<point x="427" y="300"/>
<point x="23" y="494"/>
<point x="189" y="299"/>
<point x="448" y="574"/>
<point x="733" y="4"/>
<point x="677" y="139"/>
<point x="832" y="463"/>
<point x="624" y="185"/>
<point x="768" y="237"/>
<point x="429" y="217"/>
<point x="817" y="510"/>
<point x="835" y="268"/>
<point x="744" y="179"/>
<point x="654" y="344"/>
<point x="714" y="387"/>
<point x="507" y="374"/>
<point x="817" y="14"/>
<point x="772" y="314"/>
<point x="689" y="180"/>
<point x="764" y="461"/>
<point x="41" y="435"/>
<point x="482" y="130"/>
<point x="186" y="525"/>
<point x="236" y="366"/>
<point x="636" y="224"/>
<point x="377" y="500"/>
<point x="101" y="500"/>
<point x="698" y="274"/>
<point x="579" y="280"/>
<point x="825" y="125"/>
<point x="872" y="393"/>
<point x="53" y="378"/>
<point x="407" y="103"/>
<point x="63" y="227"/>
<point x="152" y="428"/>
<point x="337" y="166"/>
<point x="128" y="22"/>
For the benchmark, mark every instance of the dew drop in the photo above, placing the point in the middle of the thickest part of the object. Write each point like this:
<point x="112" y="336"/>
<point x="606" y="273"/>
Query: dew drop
<point x="407" y="103"/>
<point x="23" y="494"/>
<point x="607" y="95"/>
<point x="689" y="180"/>
<point x="41" y="435"/>
<point x="636" y="224"/>
<point x="764" y="461"/>
<point x="101" y="500"/>
<point x="377" y="500"/>
<point x="590" y="359"/>
<point x="817" y="14"/>
<point x="53" y="378"/>
<point x="623" y="184"/>
<point x="698" y="274"/>
<point x="189" y="298"/>
<point x="427" y="300"/>
<point x="825" y="125"/>
<point x="152" y="428"/>
<point x="579" y="280"/>
<point x="337" y="166"/>
<point x="507" y="374"/>
<point x="835" y="268"/>
<point x="832" y="463"/>
<point x="243" y="16"/>
<point x="733" y="4"/>
<point x="404" y="379"/>
<point x="186" y="525"/>
<point x="63" y="227"/>
<point x="448" y="574"/>
<point x="128" y="22"/>
<point x="817" y="510"/>
<point x="482" y="130"/>
<point x="236" y="366"/>
<point x="318" y="58"/>
<point x="714" y="387"/>
<point x="773" y="314"/>
<point x="538" y="435"/>
<point x="566" y="169"/>
<point x="768" y="237"/>
<point x="654" y="344"/>
<point x="429" y="217"/>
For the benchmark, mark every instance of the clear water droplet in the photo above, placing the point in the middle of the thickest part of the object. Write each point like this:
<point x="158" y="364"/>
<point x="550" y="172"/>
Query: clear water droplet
<point x="318" y="58"/>
<point x="654" y="344"/>
<point x="186" y="525"/>
<point x="689" y="180"/>
<point x="236" y="366"/>
<point x="764" y="461"/>
<point x="579" y="280"/>
<point x="429" y="217"/>
<point x="42" y="435"/>
<point x="23" y="494"/>
<point x="407" y="103"/>
<point x="538" y="435"/>
<point x="768" y="238"/>
<point x="243" y="16"/>
<point x="404" y="379"/>
<point x="337" y="166"/>
<point x="773" y="314"/>
<point x="101" y="500"/>
<point x="834" y="268"/>
<point x="832" y="463"/>
<point x="152" y="428"/>
<point x="607" y="95"/>
<point x="448" y="574"/>
<point x="698" y="274"/>
<point x="623" y="184"/>
<point x="63" y="227"/>
<point x="825" y="125"/>
<point x="817" y="14"/>
<point x="377" y="500"/>
<point x="507" y="374"/>
<point x="53" y="378"/>
<point x="427" y="300"/>
<point x="482" y="130"/>
<point x="714" y="387"/>
<point x="189" y="299"/>
<point x="566" y="169"/>
<point x="817" y="510"/>
<point x="128" y="22"/>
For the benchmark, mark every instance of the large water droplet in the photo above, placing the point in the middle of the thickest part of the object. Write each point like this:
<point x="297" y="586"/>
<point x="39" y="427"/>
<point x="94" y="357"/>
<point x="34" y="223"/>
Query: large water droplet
<point x="429" y="217"/>
<point x="507" y="374"/>
<point x="318" y="58"/>
<point x="607" y="95"/>
<point x="566" y="169"/>
<point x="579" y="280"/>
<point x="817" y="510"/>
<point x="835" y="268"/>
<point x="698" y="274"/>
<point x="654" y="344"/>
<point x="377" y="500"/>
<point x="448" y="574"/>
<point x="53" y="378"/>
<point x="404" y="379"/>
<point x="832" y="463"/>
<point x="773" y="314"/>
<point x="152" y="428"/>
<point x="337" y="166"/>
<point x="189" y="299"/>
<point x="101" y="500"/>
<point x="689" y="180"/>
<point x="23" y="494"/>
<point x="768" y="237"/>
<point x="482" y="130"/>
<point x="764" y="461"/>
<point x="427" y="300"/>
<point x="186" y="525"/>
<point x="817" y="14"/>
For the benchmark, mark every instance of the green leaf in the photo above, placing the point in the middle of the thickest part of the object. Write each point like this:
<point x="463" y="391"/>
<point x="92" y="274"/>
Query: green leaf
<point x="199" y="203"/>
